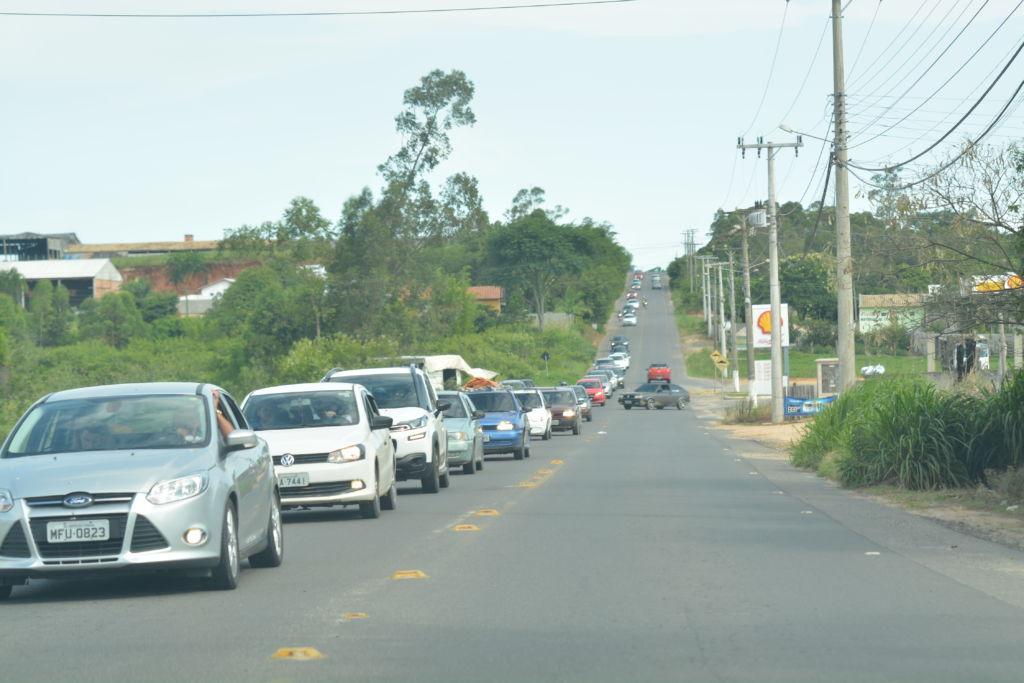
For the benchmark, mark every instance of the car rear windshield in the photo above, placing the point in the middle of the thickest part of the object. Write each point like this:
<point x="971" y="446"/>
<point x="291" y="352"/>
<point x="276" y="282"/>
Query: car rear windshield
<point x="494" y="402"/>
<point x="456" y="409"/>
<point x="111" y="424"/>
<point x="328" y="408"/>
<point x="560" y="397"/>
<point x="390" y="391"/>
<point x="592" y="383"/>
<point x="529" y="400"/>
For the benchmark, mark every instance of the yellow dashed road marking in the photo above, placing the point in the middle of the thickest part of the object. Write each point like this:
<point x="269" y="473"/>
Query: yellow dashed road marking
<point x="526" y="484"/>
<point x="487" y="513"/>
<point x="352" y="616"/>
<point x="557" y="462"/>
<point x="403" y="574"/>
<point x="297" y="653"/>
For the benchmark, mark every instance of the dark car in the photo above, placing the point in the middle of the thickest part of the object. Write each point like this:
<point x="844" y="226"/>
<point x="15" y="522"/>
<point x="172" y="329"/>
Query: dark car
<point x="619" y="340"/>
<point x="565" y="410"/>
<point x="583" y="399"/>
<point x="504" y="422"/>
<point x="657" y="395"/>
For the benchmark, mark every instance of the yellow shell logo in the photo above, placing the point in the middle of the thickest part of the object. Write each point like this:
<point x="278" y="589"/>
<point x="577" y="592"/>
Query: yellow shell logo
<point x="764" y="322"/>
<point x="1014" y="282"/>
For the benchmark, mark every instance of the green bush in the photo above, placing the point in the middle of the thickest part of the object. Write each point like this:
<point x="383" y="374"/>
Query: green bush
<point x="745" y="412"/>
<point x="829" y="432"/>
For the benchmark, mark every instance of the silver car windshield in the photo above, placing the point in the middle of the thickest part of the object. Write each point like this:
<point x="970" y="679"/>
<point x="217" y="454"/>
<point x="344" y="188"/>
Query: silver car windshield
<point x="331" y="408"/>
<point x="111" y="423"/>
<point x="493" y="402"/>
<point x="390" y="391"/>
<point x="530" y="400"/>
<point x="456" y="409"/>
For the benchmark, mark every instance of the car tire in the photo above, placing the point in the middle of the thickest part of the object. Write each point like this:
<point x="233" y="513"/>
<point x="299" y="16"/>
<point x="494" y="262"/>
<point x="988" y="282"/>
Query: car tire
<point x="225" y="575"/>
<point x="651" y="403"/>
<point x="590" y="417"/>
<point x="659" y="407"/>
<point x="680" y="404"/>
<point x="480" y="465"/>
<point x="389" y="501"/>
<point x="445" y="480"/>
<point x="469" y="468"/>
<point x="273" y="554"/>
<point x="370" y="509"/>
<point x="519" y="453"/>
<point x="547" y="434"/>
<point x="627" y="407"/>
<point x="576" y="430"/>
<point x="432" y="482"/>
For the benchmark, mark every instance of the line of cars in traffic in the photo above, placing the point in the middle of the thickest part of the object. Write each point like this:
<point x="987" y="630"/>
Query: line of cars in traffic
<point x="178" y="476"/>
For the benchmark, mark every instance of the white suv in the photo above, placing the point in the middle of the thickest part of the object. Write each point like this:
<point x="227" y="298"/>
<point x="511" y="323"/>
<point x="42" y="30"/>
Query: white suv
<point x="421" y="440"/>
<point x="330" y="444"/>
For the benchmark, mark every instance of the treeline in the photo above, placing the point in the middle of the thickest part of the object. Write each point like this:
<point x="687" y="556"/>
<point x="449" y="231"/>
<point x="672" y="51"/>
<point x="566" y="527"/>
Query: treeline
<point x="388" y="277"/>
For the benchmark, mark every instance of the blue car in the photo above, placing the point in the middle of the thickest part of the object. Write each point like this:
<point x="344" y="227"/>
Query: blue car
<point x="505" y="425"/>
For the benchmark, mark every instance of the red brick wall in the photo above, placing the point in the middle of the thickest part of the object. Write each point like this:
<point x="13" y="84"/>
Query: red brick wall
<point x="159" y="278"/>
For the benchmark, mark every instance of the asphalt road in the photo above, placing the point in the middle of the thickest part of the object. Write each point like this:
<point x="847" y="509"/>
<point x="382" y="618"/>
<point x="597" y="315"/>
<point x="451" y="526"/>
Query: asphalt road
<point x="645" y="550"/>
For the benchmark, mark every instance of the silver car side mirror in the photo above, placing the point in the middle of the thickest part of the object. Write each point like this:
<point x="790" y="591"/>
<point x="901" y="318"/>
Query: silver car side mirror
<point x="241" y="439"/>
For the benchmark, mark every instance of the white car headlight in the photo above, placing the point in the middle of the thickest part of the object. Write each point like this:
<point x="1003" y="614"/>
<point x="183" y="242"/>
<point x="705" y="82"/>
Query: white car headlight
<point x="569" y="413"/>
<point x="505" y="426"/>
<point x="6" y="500"/>
<point x="347" y="454"/>
<point x="458" y="436"/>
<point x="418" y="423"/>
<point x="174" y="490"/>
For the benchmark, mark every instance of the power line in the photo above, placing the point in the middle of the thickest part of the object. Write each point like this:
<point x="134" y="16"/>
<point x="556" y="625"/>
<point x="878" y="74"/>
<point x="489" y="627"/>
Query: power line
<point x="867" y="35"/>
<point x="892" y="167"/>
<point x="810" y="67"/>
<point x="892" y="42"/>
<point x="771" y="71"/>
<point x="328" y="13"/>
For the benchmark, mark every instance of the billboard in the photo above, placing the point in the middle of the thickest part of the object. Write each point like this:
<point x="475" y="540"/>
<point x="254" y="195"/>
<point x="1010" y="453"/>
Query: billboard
<point x="995" y="283"/>
<point x="762" y="314"/>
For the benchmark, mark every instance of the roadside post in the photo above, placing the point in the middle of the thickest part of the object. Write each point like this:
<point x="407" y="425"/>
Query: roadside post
<point x="546" y="357"/>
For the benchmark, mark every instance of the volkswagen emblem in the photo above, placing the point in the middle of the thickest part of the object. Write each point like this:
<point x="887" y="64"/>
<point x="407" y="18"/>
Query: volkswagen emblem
<point x="287" y="460"/>
<point x="77" y="500"/>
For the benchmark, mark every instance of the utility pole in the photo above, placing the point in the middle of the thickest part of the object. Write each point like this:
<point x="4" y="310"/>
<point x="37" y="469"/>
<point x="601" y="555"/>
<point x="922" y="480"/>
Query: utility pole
<point x="778" y="390"/>
<point x="844" y="251"/>
<point x="732" y="327"/>
<point x="706" y="286"/>
<point x="724" y="349"/>
<point x="690" y="261"/>
<point x="748" y="313"/>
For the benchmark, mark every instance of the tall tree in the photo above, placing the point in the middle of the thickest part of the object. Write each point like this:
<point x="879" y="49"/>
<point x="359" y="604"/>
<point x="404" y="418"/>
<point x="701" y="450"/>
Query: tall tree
<point x="114" y="319"/>
<point x="40" y="312"/>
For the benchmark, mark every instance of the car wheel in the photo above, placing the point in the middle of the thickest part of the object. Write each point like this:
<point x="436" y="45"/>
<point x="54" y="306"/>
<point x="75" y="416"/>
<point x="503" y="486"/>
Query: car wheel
<point x="273" y="554"/>
<point x="469" y="468"/>
<point x="389" y="501"/>
<point x="627" y="407"/>
<point x="432" y="482"/>
<point x="576" y="428"/>
<point x="519" y="453"/>
<point x="680" y="404"/>
<point x="225" y="574"/>
<point x="651" y="403"/>
<point x="370" y="509"/>
<point x="445" y="479"/>
<point x="590" y="417"/>
<point x="480" y="461"/>
<point x="547" y="434"/>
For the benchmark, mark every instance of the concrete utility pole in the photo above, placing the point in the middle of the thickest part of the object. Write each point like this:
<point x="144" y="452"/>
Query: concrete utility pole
<point x="845" y="349"/>
<point x="748" y="313"/>
<point x="735" y="359"/>
<point x="706" y="286"/>
<point x="778" y="390"/>
<point x="724" y="349"/>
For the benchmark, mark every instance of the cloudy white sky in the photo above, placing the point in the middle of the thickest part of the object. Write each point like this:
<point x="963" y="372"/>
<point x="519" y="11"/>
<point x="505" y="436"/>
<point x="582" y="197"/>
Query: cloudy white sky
<point x="123" y="129"/>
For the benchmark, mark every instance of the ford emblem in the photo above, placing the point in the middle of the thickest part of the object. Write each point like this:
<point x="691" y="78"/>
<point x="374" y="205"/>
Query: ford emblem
<point x="77" y="500"/>
<point x="287" y="460"/>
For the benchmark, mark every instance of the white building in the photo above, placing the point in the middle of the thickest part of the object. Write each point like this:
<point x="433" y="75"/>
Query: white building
<point x="192" y="305"/>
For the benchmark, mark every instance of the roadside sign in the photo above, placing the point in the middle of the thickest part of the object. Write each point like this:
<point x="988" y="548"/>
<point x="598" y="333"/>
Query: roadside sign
<point x="717" y="356"/>
<point x="545" y="356"/>
<point x="719" y="360"/>
<point x="762" y="314"/>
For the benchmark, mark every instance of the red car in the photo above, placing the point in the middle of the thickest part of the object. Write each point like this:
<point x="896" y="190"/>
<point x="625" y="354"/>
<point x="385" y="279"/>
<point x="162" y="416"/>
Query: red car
<point x="595" y="390"/>
<point x="659" y="372"/>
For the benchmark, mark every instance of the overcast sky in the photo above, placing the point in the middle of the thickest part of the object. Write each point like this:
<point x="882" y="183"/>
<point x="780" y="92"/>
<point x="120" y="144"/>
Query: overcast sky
<point x="131" y="130"/>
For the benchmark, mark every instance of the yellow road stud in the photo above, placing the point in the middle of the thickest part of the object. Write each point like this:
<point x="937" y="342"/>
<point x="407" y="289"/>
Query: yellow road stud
<point x="297" y="653"/>
<point x="545" y="472"/>
<point x="352" y="616"/>
<point x="557" y="462"/>
<point x="488" y="512"/>
<point x="526" y="484"/>
<point x="465" y="527"/>
<point x="403" y="574"/>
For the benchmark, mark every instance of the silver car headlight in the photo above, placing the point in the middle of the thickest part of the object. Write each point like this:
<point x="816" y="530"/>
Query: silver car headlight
<point x="458" y="436"/>
<point x="347" y="454"/>
<point x="173" y="490"/>
<point x="569" y="413"/>
<point x="6" y="501"/>
<point x="505" y="426"/>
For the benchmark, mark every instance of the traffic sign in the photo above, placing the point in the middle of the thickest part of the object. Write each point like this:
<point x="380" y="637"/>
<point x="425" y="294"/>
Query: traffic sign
<point x="719" y="360"/>
<point x="545" y="356"/>
<point x="716" y="356"/>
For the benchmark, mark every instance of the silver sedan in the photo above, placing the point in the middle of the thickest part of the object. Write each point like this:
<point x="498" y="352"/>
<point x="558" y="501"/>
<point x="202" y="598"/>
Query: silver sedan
<point x="162" y="476"/>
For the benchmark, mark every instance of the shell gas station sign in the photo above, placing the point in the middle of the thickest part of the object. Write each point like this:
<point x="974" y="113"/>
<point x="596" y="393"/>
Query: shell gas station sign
<point x="762" y="314"/>
<point x="996" y="283"/>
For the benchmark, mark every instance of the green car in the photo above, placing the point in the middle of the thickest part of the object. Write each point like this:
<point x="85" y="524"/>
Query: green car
<point x="465" y="435"/>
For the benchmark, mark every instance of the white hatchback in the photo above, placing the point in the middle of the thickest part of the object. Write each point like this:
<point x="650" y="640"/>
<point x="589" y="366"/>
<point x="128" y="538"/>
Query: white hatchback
<point x="537" y="412"/>
<point x="330" y="444"/>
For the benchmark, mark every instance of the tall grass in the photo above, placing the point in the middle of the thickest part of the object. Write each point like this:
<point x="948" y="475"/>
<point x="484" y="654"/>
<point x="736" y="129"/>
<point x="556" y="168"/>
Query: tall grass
<point x="907" y="433"/>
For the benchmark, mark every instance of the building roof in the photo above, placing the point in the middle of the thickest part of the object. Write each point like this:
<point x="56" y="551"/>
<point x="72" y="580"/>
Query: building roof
<point x="487" y="292"/>
<point x="69" y="237"/>
<point x="65" y="269"/>
<point x="138" y="247"/>
<point x="892" y="300"/>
